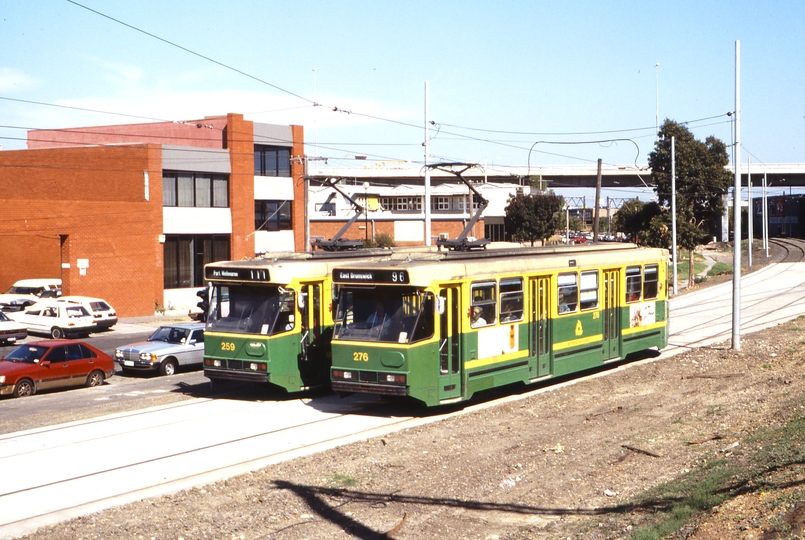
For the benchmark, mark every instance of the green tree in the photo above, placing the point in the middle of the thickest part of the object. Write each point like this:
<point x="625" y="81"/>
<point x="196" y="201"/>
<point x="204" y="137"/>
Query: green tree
<point x="647" y="223"/>
<point x="701" y="182"/>
<point x="533" y="217"/>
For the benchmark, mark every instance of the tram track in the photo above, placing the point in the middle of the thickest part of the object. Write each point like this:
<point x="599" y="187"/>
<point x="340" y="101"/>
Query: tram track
<point x="144" y="453"/>
<point x="148" y="452"/>
<point x="769" y="296"/>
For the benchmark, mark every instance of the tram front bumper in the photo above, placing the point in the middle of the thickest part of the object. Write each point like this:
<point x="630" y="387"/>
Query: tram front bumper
<point x="369" y="388"/>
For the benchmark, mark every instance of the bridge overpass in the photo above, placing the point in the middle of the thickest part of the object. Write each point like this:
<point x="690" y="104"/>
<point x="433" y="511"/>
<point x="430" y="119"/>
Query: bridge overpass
<point x="554" y="177"/>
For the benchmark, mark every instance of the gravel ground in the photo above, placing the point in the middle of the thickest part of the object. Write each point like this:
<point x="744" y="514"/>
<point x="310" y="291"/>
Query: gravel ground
<point x="568" y="462"/>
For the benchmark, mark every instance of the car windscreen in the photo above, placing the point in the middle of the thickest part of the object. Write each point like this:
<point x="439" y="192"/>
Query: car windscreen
<point x="24" y="290"/>
<point x="170" y="334"/>
<point x="27" y="353"/>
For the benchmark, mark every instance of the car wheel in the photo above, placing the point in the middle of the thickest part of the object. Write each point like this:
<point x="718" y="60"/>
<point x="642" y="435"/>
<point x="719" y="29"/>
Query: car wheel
<point x="168" y="367"/>
<point x="23" y="388"/>
<point x="56" y="332"/>
<point x="95" y="379"/>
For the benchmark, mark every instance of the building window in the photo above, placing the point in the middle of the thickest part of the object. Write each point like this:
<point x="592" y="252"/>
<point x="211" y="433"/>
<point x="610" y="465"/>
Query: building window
<point x="199" y="190"/>
<point x="272" y="216"/>
<point x="440" y="203"/>
<point x="186" y="255"/>
<point x="272" y="160"/>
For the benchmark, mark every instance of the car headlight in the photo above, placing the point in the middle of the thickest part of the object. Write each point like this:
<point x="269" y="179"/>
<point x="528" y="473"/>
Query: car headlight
<point x="2" y="379"/>
<point x="118" y="353"/>
<point x="148" y="357"/>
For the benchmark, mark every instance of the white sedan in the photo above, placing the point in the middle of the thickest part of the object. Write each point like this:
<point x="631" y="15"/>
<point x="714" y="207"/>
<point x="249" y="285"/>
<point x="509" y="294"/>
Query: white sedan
<point x="105" y="315"/>
<point x="56" y="319"/>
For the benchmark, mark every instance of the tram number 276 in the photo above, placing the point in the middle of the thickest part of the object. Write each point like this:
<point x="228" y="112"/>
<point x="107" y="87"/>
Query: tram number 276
<point x="360" y="356"/>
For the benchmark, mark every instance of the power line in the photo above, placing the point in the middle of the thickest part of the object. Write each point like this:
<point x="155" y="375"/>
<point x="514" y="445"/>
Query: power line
<point x="172" y="44"/>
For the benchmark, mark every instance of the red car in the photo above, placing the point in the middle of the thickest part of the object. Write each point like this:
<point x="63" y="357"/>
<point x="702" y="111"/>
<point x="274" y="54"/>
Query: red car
<point x="53" y="363"/>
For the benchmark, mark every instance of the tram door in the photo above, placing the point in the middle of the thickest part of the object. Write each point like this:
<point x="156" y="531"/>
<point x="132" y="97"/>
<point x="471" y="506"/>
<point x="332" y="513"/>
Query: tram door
<point x="611" y="315"/>
<point x="539" y="325"/>
<point x="450" y="343"/>
<point x="313" y="350"/>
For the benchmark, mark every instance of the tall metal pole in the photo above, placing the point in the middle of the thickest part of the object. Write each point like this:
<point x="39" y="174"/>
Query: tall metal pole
<point x="673" y="211"/>
<point x="736" y="217"/>
<point x="657" y="100"/>
<point x="765" y="218"/>
<point x="427" y="172"/>
<point x="596" y="213"/>
<point x="749" y="212"/>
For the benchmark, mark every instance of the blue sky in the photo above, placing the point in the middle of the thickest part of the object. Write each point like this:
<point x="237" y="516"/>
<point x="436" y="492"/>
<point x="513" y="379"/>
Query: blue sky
<point x="504" y="76"/>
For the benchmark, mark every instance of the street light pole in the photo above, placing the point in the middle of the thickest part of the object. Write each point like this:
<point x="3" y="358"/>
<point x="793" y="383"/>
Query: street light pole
<point x="657" y="99"/>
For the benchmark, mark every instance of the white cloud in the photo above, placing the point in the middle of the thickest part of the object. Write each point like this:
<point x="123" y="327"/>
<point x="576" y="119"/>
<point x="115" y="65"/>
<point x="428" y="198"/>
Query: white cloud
<point x="12" y="80"/>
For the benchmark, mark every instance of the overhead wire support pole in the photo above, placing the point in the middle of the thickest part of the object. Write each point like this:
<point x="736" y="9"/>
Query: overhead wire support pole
<point x="673" y="211"/>
<point x="428" y="232"/>
<point x="736" y="217"/>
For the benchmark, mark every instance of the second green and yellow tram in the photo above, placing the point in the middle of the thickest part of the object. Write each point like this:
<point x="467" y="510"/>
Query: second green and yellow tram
<point x="440" y="327"/>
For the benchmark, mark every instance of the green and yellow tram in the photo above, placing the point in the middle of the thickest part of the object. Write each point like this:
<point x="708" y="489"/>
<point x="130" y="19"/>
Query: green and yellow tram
<point x="440" y="327"/>
<point x="270" y="320"/>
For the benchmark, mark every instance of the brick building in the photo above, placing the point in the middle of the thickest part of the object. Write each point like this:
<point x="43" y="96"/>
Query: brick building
<point x="131" y="213"/>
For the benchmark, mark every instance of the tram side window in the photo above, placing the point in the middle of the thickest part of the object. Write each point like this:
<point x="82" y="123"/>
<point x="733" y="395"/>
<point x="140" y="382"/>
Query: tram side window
<point x="568" y="292"/>
<point x="511" y="300"/>
<point x="650" y="281"/>
<point x="483" y="308"/>
<point x="589" y="290"/>
<point x="633" y="283"/>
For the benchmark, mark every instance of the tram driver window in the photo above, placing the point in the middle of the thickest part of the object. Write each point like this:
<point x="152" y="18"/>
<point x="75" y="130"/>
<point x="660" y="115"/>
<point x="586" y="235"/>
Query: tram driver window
<point x="483" y="298"/>
<point x="633" y="284"/>
<point x="650" y="281"/>
<point x="511" y="300"/>
<point x="567" y="293"/>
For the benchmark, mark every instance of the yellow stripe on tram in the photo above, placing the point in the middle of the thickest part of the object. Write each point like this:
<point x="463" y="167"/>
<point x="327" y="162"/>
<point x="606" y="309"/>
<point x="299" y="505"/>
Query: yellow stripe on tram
<point x="483" y="362"/>
<point x="562" y="345"/>
<point x="636" y="329"/>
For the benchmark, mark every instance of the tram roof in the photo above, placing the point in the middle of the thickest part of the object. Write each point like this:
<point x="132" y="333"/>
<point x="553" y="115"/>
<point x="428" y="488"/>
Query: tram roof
<point x="425" y="268"/>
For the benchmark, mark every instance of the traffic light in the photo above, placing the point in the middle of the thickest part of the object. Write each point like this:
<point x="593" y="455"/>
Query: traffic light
<point x="204" y="305"/>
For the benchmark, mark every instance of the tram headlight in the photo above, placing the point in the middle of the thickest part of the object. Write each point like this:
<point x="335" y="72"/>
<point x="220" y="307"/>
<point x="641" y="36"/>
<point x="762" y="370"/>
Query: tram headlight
<point x="394" y="378"/>
<point x="341" y="374"/>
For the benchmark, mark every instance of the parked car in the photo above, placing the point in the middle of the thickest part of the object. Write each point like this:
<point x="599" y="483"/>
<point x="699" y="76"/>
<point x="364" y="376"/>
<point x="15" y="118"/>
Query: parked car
<point x="56" y="319"/>
<point x="104" y="314"/>
<point x="169" y="347"/>
<point x="44" y="365"/>
<point x="27" y="292"/>
<point x="11" y="331"/>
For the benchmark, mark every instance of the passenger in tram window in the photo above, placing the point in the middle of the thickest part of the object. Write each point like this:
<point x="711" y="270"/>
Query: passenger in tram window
<point x="477" y="317"/>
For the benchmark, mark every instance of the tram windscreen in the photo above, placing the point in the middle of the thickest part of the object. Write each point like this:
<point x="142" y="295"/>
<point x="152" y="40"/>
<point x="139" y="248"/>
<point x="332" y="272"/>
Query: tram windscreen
<point x="242" y="309"/>
<point x="384" y="314"/>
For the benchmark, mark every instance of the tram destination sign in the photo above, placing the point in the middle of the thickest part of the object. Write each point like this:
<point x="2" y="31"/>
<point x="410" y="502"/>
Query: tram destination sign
<point x="359" y="275"/>
<point x="220" y="273"/>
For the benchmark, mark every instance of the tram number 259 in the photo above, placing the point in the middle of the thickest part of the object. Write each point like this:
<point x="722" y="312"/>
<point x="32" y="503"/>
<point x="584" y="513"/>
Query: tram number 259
<point x="360" y="356"/>
<point x="227" y="346"/>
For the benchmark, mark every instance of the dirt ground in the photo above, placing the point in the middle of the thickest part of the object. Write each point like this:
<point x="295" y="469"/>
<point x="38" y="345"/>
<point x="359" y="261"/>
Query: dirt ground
<point x="569" y="462"/>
